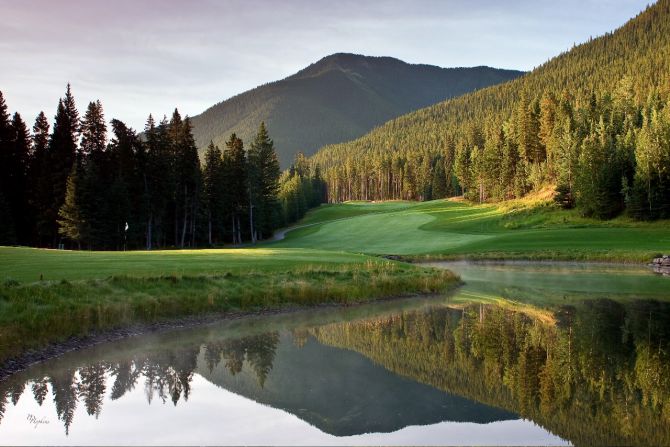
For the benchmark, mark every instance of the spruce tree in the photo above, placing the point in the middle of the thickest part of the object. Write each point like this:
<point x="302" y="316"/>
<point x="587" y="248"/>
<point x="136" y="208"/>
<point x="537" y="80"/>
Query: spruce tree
<point x="93" y="185"/>
<point x="187" y="178"/>
<point x="161" y="181"/>
<point x="40" y="181"/>
<point x="93" y="130"/>
<point x="263" y="179"/>
<point x="439" y="181"/>
<point x="18" y="197"/>
<point x="71" y="223"/>
<point x="62" y="152"/>
<point x="7" y="224"/>
<point x="213" y="181"/>
<point x="235" y="172"/>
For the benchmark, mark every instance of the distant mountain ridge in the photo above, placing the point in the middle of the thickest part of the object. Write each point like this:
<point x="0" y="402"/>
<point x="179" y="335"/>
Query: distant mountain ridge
<point x="338" y="98"/>
<point x="485" y="140"/>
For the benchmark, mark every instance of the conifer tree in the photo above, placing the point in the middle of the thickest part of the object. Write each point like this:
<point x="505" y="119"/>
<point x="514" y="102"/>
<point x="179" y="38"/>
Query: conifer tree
<point x="93" y="130"/>
<point x="263" y="178"/>
<point x="40" y="181"/>
<point x="187" y="177"/>
<point x="71" y="223"/>
<point x="93" y="188"/>
<point x="439" y="181"/>
<point x="213" y="183"/>
<point x="62" y="152"/>
<point x="7" y="224"/>
<point x="235" y="173"/>
<point x="16" y="153"/>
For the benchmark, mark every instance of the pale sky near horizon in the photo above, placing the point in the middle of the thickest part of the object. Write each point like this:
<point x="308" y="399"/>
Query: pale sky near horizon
<point x="140" y="57"/>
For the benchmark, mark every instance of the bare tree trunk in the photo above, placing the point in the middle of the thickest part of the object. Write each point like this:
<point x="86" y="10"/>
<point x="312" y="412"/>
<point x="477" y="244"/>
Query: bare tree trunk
<point x="194" y="215"/>
<point x="209" y="227"/>
<point x="183" y="228"/>
<point x="176" y="225"/>
<point x="251" y="221"/>
<point x="149" y="231"/>
<point x="234" y="231"/>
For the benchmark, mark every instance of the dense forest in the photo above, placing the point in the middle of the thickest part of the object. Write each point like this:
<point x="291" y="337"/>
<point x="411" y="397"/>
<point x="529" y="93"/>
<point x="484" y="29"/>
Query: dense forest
<point x="593" y="122"/>
<point x="75" y="187"/>
<point x="336" y="99"/>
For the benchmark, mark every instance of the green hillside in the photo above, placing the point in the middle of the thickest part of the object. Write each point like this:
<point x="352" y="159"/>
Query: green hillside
<point x="336" y="99"/>
<point x="596" y="112"/>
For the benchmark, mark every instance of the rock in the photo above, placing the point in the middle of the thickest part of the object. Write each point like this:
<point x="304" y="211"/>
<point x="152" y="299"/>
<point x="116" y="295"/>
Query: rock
<point x="663" y="261"/>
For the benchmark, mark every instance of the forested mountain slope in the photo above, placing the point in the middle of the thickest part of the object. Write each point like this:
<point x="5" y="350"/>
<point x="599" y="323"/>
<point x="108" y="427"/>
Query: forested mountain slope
<point x="592" y="120"/>
<point x="336" y="99"/>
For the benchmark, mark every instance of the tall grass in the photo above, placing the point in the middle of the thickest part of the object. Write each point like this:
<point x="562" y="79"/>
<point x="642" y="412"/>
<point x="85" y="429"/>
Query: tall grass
<point x="36" y="314"/>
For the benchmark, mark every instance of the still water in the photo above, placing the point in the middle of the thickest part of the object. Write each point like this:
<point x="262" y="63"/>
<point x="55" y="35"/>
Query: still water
<point x="522" y="354"/>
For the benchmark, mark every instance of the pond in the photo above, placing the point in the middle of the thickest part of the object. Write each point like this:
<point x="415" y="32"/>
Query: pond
<point x="549" y="354"/>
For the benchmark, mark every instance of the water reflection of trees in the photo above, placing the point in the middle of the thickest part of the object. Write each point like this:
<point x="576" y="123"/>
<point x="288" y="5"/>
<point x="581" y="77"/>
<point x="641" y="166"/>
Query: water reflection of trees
<point x="166" y="374"/>
<point x="599" y="376"/>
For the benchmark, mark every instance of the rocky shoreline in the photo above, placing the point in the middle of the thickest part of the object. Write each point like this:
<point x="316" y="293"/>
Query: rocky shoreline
<point x="661" y="265"/>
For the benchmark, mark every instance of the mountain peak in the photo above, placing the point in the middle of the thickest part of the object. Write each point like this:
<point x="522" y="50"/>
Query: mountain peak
<point x="340" y="97"/>
<point x="350" y="61"/>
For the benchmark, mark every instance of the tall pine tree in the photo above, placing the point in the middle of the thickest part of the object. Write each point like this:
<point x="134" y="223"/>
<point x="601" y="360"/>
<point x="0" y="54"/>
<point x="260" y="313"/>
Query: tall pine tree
<point x="235" y="173"/>
<point x="40" y="181"/>
<point x="263" y="178"/>
<point x="7" y="225"/>
<point x="62" y="151"/>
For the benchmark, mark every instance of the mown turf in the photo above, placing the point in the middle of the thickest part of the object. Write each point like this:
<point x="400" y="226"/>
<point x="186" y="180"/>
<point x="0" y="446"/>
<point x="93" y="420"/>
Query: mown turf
<point x="328" y="212"/>
<point x="29" y="264"/>
<point x="457" y="229"/>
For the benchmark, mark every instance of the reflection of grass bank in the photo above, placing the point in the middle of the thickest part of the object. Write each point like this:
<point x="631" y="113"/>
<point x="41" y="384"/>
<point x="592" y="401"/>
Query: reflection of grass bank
<point x="40" y="313"/>
<point x="631" y="256"/>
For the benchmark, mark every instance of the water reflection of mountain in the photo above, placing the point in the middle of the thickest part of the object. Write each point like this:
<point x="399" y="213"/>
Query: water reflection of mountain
<point x="338" y="391"/>
<point x="596" y="372"/>
<point x="342" y="392"/>
<point x="599" y="376"/>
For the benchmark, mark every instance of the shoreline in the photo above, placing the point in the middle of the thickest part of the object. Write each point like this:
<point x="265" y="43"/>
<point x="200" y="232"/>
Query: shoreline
<point x="33" y="357"/>
<point x="512" y="257"/>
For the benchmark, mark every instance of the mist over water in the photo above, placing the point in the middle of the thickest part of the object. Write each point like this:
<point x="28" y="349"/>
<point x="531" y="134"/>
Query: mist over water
<point x="560" y="364"/>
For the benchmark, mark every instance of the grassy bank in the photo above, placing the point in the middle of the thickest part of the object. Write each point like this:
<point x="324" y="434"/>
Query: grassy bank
<point x="442" y="229"/>
<point x="35" y="314"/>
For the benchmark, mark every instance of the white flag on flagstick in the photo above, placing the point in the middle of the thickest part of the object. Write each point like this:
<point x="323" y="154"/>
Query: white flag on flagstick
<point x="126" y="226"/>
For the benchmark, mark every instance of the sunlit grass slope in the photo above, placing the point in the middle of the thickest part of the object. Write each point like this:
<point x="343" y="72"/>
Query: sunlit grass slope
<point x="522" y="229"/>
<point x="28" y="264"/>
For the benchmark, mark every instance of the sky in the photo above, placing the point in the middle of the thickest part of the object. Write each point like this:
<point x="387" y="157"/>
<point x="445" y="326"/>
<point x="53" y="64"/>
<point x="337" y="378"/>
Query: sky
<point x="139" y="57"/>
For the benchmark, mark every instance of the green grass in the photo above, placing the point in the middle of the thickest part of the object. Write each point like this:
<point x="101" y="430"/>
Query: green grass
<point x="28" y="264"/>
<point x="445" y="229"/>
<point x="37" y="313"/>
<point x="329" y="212"/>
<point x="49" y="295"/>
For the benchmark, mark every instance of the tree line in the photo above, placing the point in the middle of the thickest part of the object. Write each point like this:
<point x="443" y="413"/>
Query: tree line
<point x="76" y="186"/>
<point x="606" y="155"/>
<point x="593" y="123"/>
